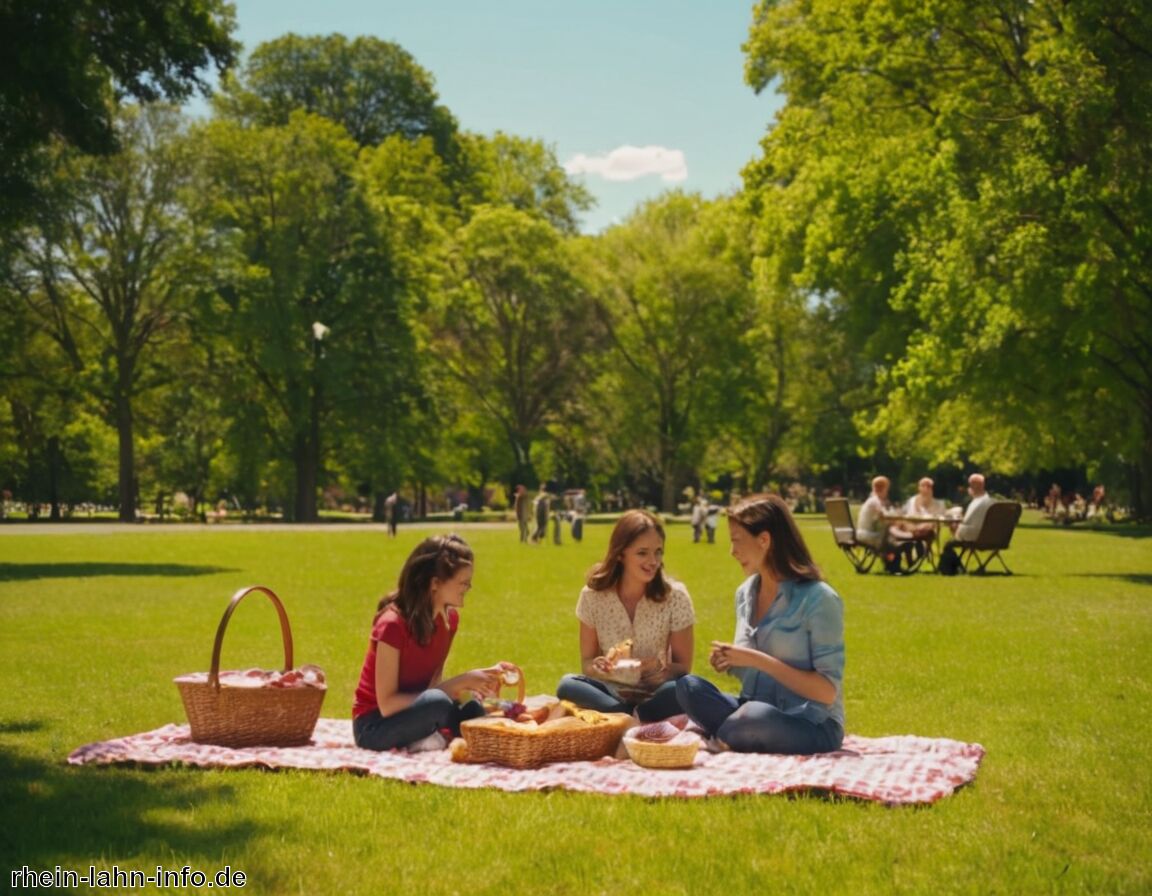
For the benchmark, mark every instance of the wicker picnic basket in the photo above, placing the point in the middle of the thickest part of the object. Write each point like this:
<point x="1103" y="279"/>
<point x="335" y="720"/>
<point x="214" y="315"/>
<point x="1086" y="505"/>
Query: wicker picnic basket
<point x="231" y="716"/>
<point x="519" y="745"/>
<point x="680" y="752"/>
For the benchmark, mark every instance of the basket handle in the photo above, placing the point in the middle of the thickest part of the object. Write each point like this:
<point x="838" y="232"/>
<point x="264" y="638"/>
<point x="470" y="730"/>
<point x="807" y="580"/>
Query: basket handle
<point x="285" y="630"/>
<point x="521" y="688"/>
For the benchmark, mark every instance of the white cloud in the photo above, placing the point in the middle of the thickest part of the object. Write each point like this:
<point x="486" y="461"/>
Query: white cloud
<point x="631" y="163"/>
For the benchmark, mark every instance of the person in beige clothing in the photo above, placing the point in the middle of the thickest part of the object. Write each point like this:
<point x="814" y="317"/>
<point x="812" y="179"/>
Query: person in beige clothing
<point x="629" y="600"/>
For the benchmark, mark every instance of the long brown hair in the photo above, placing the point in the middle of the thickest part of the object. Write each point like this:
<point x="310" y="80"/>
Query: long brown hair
<point x="788" y="555"/>
<point x="606" y="574"/>
<point x="436" y="557"/>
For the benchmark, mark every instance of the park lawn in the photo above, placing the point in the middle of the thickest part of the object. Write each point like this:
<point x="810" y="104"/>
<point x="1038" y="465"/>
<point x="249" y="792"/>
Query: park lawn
<point x="1049" y="669"/>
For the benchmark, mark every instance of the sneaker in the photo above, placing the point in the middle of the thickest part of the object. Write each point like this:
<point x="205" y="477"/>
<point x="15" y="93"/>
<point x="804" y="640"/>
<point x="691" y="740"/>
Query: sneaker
<point x="434" y="741"/>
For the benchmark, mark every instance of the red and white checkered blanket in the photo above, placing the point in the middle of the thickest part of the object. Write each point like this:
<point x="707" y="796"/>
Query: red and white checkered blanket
<point x="894" y="770"/>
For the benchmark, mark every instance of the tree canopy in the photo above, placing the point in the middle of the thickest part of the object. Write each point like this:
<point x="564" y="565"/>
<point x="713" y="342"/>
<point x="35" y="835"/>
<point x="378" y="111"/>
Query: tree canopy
<point x="64" y="65"/>
<point x="967" y="186"/>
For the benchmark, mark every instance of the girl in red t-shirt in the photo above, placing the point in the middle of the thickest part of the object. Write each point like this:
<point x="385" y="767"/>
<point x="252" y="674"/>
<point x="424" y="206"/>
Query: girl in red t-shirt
<point x="401" y="699"/>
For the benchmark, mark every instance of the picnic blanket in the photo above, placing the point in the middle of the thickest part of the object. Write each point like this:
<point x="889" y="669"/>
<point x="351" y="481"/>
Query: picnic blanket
<point x="901" y="770"/>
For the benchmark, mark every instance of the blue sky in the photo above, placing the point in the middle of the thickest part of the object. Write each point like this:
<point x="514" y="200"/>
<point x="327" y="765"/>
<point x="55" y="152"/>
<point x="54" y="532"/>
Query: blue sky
<point x="590" y="79"/>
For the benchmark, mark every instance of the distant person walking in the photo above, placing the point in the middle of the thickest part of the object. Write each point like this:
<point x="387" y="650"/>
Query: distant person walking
<point x="699" y="515"/>
<point x="392" y="513"/>
<point x="523" y="507"/>
<point x="540" y="506"/>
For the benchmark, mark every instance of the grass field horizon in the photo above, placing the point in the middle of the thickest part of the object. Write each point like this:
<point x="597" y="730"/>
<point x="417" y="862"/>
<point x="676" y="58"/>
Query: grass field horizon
<point x="1048" y="669"/>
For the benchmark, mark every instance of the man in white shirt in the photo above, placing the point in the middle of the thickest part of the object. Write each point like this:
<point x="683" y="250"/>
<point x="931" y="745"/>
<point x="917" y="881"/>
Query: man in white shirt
<point x="977" y="509"/>
<point x="872" y="527"/>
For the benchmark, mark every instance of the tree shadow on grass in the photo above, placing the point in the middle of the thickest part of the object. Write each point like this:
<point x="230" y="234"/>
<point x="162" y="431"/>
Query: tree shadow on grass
<point x="54" y="814"/>
<point x="1136" y="578"/>
<point x="1113" y="530"/>
<point x="18" y="572"/>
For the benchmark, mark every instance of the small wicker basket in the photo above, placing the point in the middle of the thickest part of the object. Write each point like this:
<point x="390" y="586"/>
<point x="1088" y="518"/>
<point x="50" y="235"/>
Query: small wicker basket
<point x="680" y="752"/>
<point x="250" y="716"/>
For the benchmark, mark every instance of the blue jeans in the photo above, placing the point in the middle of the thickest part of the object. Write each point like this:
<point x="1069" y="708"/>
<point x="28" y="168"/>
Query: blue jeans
<point x="752" y="726"/>
<point x="591" y="693"/>
<point x="429" y="712"/>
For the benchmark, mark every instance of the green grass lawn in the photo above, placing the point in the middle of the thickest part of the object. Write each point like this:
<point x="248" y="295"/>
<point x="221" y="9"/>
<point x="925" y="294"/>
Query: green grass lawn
<point x="1049" y="669"/>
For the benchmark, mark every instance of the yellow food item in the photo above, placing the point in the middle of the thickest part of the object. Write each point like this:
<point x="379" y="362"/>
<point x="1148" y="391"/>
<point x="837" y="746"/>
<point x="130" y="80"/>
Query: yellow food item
<point x="621" y="651"/>
<point x="591" y="716"/>
<point x="458" y="749"/>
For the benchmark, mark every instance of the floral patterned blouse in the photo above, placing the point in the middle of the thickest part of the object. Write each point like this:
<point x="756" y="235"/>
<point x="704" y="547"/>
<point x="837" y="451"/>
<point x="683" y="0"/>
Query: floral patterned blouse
<point x="653" y="625"/>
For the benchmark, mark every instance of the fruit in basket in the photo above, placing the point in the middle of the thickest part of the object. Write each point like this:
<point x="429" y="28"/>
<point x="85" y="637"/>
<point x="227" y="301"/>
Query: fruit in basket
<point x="305" y="676"/>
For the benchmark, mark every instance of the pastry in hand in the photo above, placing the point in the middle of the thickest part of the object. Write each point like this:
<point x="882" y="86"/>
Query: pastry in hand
<point x="621" y="651"/>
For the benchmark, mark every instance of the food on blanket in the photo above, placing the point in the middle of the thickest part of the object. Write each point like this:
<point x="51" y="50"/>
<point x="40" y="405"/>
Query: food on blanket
<point x="458" y="749"/>
<point x="655" y="732"/>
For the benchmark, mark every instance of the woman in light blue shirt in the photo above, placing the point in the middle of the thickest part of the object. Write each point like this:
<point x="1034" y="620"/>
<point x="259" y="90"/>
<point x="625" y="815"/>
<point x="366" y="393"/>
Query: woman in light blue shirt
<point x="788" y="651"/>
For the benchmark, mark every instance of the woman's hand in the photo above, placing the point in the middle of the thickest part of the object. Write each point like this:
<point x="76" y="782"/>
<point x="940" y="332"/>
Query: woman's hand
<point x="653" y="672"/>
<point x="725" y="656"/>
<point x="599" y="666"/>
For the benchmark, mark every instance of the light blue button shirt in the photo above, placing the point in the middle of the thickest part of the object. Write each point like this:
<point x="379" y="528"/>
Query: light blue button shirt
<point x="804" y="628"/>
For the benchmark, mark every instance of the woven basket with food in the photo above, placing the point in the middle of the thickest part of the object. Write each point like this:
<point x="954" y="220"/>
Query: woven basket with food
<point x="533" y="731"/>
<point x="253" y="707"/>
<point x="661" y="745"/>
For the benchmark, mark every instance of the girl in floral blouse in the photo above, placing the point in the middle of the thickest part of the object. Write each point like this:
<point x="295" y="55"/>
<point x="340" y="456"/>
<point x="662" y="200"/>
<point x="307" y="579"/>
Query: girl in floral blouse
<point x="628" y="597"/>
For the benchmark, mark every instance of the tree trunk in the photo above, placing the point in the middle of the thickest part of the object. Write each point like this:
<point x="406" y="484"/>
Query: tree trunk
<point x="54" y="478"/>
<point x="1142" y="475"/>
<point x="127" y="482"/>
<point x="304" y="458"/>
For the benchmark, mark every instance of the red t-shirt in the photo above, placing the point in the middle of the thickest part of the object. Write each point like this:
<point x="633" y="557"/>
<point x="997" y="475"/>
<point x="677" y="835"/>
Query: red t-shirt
<point x="418" y="662"/>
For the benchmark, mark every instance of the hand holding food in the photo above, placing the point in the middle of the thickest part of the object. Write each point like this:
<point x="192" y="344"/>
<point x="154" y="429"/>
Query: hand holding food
<point x="621" y="651"/>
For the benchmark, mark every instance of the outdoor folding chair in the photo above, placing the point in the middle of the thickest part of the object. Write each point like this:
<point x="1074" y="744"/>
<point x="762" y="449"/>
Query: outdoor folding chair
<point x="995" y="536"/>
<point x="863" y="556"/>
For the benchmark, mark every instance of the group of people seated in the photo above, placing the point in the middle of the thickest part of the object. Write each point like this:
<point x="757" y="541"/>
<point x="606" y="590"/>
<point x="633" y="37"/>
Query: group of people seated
<point x="896" y="530"/>
<point x="1070" y="508"/>
<point x="786" y="654"/>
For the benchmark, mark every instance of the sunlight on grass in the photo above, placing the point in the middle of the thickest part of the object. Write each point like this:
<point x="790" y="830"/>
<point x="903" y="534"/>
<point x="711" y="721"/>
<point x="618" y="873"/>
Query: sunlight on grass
<point x="1049" y="669"/>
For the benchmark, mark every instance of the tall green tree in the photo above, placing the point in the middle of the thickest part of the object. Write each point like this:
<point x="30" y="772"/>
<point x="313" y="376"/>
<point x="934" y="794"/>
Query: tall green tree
<point x="675" y="303"/>
<point x="374" y="88"/>
<point x="306" y="289"/>
<point x="64" y="64"/>
<point x="967" y="185"/>
<point x="514" y="325"/>
<point x="108" y="272"/>
<point x="524" y="174"/>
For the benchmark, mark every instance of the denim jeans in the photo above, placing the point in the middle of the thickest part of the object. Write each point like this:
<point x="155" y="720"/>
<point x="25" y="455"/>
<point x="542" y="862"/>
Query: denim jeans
<point x="751" y="726"/>
<point x="429" y="712"/>
<point x="591" y="693"/>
